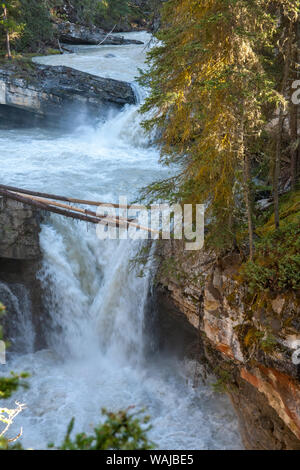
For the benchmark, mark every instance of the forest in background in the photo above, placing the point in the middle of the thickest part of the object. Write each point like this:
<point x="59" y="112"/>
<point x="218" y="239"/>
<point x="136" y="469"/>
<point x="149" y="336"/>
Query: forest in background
<point x="224" y="98"/>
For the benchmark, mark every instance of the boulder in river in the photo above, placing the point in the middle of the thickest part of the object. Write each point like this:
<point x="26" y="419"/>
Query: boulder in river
<point x="72" y="33"/>
<point x="58" y="95"/>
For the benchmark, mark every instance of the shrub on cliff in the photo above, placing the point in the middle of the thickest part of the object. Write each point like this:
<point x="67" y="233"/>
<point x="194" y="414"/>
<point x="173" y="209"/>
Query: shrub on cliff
<point x="277" y="264"/>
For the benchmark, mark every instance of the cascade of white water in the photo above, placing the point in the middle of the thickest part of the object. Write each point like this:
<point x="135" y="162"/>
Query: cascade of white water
<point x="16" y="299"/>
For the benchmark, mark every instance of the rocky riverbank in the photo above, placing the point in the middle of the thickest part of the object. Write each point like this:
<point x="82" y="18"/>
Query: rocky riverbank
<point x="71" y="33"/>
<point x="247" y="341"/>
<point x="201" y="303"/>
<point x="46" y="95"/>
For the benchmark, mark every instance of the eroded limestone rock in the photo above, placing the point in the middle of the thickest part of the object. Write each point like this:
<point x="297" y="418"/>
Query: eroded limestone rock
<point x="72" y="33"/>
<point x="253" y="340"/>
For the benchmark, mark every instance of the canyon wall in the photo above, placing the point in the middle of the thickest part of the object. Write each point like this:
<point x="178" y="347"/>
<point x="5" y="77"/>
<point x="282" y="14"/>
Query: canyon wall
<point x="248" y="341"/>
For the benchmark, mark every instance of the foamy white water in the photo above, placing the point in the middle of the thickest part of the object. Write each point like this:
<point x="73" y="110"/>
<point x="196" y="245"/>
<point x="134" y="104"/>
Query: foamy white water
<point x="97" y="304"/>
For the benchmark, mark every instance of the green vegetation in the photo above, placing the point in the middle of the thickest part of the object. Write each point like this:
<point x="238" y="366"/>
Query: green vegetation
<point x="109" y="13"/>
<point x="225" y="380"/>
<point x="8" y="385"/>
<point x="25" y="25"/>
<point x="277" y="264"/>
<point x="94" y="11"/>
<point x="38" y="29"/>
<point x="10" y="25"/>
<point x="114" y="10"/>
<point x="260" y="339"/>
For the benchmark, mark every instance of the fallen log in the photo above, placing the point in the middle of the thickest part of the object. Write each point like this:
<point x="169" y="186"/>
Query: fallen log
<point x="72" y="208"/>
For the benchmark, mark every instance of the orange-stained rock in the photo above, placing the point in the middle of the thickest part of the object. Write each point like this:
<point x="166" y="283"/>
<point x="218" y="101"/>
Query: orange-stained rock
<point x="278" y="304"/>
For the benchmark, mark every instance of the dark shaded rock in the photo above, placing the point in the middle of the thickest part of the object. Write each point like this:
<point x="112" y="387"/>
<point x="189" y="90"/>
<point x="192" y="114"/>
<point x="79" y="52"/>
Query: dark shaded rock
<point x="20" y="289"/>
<point x="170" y="331"/>
<point x="71" y="33"/>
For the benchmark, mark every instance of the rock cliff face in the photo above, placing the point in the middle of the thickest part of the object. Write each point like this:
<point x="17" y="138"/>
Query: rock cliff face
<point x="20" y="258"/>
<point x="248" y="340"/>
<point x="19" y="231"/>
<point x="53" y="95"/>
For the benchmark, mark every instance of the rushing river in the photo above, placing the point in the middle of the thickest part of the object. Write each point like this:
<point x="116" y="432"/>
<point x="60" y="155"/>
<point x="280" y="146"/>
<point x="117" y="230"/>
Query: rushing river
<point x="95" y="356"/>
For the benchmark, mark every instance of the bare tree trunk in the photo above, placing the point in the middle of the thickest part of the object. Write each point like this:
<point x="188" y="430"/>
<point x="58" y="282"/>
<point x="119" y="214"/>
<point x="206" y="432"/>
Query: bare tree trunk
<point x="287" y="63"/>
<point x="247" y="186"/>
<point x="7" y="34"/>
<point x="247" y="194"/>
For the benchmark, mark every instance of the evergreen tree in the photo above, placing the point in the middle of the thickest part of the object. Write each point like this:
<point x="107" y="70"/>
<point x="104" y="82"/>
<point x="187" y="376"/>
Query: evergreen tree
<point x="93" y="11"/>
